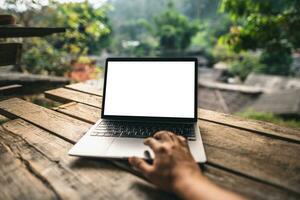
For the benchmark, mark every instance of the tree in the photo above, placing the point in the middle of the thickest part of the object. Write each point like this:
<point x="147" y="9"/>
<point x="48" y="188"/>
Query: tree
<point x="88" y="31"/>
<point x="87" y="27"/>
<point x="174" y="30"/>
<point x="268" y="25"/>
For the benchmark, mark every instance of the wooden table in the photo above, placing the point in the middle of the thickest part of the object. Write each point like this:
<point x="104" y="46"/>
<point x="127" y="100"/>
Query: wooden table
<point x="256" y="159"/>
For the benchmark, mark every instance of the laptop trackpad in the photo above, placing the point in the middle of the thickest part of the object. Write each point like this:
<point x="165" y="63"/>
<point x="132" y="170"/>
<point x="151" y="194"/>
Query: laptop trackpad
<point x="126" y="147"/>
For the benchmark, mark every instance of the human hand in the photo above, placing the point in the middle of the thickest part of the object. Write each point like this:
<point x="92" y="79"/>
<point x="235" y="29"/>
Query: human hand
<point x="173" y="164"/>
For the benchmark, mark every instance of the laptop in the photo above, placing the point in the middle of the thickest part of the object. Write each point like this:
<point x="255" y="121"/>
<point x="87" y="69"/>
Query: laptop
<point x="140" y="97"/>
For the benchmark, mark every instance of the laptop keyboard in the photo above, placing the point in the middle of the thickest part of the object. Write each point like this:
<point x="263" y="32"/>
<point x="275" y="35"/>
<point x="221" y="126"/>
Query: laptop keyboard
<point x="141" y="130"/>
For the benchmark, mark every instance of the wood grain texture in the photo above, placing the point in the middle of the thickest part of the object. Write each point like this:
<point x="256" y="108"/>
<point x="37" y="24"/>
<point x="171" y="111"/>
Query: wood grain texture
<point x="85" y="88"/>
<point x="71" y="177"/>
<point x="251" y="125"/>
<point x="15" y="175"/>
<point x="97" y="179"/>
<point x="80" y="111"/>
<point x="263" y="158"/>
<point x="57" y="123"/>
<point x="242" y="151"/>
<point x="65" y="95"/>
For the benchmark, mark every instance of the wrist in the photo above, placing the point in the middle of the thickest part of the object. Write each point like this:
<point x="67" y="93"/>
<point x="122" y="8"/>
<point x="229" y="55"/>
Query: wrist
<point x="185" y="184"/>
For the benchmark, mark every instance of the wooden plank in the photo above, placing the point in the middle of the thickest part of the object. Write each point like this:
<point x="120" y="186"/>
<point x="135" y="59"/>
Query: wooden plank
<point x="66" y="95"/>
<point x="263" y="158"/>
<point x="71" y="177"/>
<point x="85" y="88"/>
<point x="247" y="187"/>
<point x="10" y="53"/>
<point x="80" y="111"/>
<point x="60" y="124"/>
<point x="251" y="125"/>
<point x="18" y="31"/>
<point x="242" y="151"/>
<point x="15" y="176"/>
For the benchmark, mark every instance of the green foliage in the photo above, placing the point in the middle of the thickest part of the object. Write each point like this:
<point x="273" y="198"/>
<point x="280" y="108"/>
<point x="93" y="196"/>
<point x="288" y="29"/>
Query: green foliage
<point x="267" y="25"/>
<point x="174" y="30"/>
<point x="245" y="64"/>
<point x="87" y="27"/>
<point x="88" y="32"/>
<point x="42" y="58"/>
<point x="210" y="31"/>
<point x="269" y="117"/>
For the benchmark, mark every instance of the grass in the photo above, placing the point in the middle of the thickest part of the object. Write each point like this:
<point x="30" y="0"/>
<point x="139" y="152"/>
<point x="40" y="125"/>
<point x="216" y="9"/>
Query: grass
<point x="269" y="117"/>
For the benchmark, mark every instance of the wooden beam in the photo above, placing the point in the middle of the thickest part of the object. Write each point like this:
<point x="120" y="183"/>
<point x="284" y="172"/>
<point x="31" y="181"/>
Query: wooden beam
<point x="55" y="122"/>
<point x="85" y="88"/>
<point x="66" y="95"/>
<point x="18" y="31"/>
<point x="16" y="177"/>
<point x="265" y="128"/>
<point x="252" y="155"/>
<point x="80" y="111"/>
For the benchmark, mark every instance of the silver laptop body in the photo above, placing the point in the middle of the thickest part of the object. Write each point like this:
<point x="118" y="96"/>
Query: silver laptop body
<point x="140" y="97"/>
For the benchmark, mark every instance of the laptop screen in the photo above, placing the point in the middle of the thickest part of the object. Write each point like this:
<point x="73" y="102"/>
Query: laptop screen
<point x="150" y="88"/>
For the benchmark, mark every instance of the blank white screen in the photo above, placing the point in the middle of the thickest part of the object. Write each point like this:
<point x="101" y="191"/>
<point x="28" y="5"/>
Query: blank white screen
<point x="150" y="88"/>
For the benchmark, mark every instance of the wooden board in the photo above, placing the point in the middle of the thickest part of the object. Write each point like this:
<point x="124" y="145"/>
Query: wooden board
<point x="85" y="88"/>
<point x="251" y="125"/>
<point x="80" y="111"/>
<point x="241" y="151"/>
<point x="46" y="155"/>
<point x="70" y="177"/>
<point x="15" y="175"/>
<point x="66" y="95"/>
<point x="253" y="155"/>
<point x="59" y="124"/>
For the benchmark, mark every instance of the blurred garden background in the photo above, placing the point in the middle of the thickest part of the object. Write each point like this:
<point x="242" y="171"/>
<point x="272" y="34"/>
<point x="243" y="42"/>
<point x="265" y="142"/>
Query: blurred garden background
<point x="248" y="50"/>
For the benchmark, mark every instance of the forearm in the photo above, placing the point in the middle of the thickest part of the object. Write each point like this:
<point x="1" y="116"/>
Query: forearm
<point x="199" y="187"/>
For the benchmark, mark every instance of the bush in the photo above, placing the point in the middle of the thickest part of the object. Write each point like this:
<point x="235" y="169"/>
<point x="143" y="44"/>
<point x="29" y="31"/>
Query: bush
<point x="245" y="64"/>
<point x="42" y="58"/>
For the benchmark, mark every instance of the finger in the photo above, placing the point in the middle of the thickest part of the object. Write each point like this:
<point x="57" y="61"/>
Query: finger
<point x="174" y="137"/>
<point x="140" y="164"/>
<point x="163" y="135"/>
<point x="152" y="143"/>
<point x="182" y="140"/>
